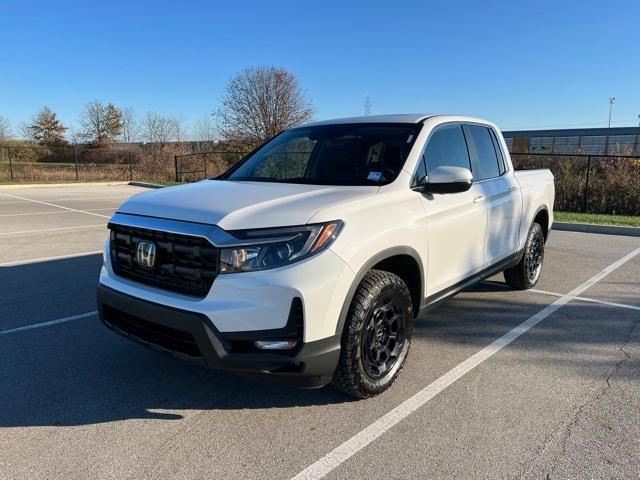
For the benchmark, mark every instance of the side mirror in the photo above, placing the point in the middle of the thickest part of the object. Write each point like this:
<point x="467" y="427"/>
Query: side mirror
<point x="446" y="180"/>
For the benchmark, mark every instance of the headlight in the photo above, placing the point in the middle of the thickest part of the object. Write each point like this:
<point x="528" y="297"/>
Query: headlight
<point x="272" y="248"/>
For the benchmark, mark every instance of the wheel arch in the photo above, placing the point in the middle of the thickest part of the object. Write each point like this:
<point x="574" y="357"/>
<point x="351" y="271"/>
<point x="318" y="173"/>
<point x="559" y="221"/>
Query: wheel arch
<point x="403" y="261"/>
<point x="542" y="218"/>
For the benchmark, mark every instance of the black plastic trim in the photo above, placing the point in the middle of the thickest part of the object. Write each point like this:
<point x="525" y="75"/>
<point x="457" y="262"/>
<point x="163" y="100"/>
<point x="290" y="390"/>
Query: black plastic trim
<point x="293" y="329"/>
<point x="312" y="365"/>
<point x="549" y="222"/>
<point x="431" y="301"/>
<point x="388" y="253"/>
<point x="434" y="300"/>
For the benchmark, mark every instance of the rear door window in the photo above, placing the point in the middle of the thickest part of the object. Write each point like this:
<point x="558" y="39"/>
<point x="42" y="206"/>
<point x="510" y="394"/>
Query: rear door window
<point x="486" y="157"/>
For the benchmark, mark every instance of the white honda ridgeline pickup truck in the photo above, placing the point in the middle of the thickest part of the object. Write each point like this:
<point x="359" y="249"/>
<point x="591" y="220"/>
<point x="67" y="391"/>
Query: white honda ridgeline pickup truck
<point x="308" y="261"/>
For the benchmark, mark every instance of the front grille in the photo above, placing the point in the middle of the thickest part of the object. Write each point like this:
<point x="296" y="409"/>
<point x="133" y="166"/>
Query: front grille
<point x="149" y="332"/>
<point x="183" y="263"/>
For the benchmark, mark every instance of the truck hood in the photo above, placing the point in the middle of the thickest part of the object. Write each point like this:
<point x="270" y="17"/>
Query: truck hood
<point x="241" y="205"/>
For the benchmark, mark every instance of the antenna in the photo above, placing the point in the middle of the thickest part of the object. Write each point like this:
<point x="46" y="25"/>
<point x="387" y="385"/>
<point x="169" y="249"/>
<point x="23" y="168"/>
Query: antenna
<point x="367" y="105"/>
<point x="612" y="100"/>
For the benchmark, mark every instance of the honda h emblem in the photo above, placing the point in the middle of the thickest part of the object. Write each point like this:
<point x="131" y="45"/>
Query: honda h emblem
<point x="146" y="254"/>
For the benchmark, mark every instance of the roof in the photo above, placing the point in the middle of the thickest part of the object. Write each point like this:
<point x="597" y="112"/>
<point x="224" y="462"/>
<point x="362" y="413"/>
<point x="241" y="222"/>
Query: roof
<point x="397" y="118"/>
<point x="578" y="132"/>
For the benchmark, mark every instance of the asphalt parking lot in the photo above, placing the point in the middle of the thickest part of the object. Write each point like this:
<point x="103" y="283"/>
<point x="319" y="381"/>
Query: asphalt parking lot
<point x="557" y="397"/>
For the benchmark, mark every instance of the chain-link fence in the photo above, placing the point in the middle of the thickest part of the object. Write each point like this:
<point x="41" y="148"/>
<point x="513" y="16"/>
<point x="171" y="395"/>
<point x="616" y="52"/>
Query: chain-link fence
<point x="199" y="165"/>
<point x="33" y="164"/>
<point x="590" y="183"/>
<point x="584" y="183"/>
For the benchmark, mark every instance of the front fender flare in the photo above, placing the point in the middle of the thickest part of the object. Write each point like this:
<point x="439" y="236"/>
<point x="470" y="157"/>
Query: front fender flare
<point x="368" y="265"/>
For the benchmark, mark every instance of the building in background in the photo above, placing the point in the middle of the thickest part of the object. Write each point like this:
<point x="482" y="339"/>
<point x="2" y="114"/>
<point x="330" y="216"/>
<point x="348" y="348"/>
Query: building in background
<point x="611" y="141"/>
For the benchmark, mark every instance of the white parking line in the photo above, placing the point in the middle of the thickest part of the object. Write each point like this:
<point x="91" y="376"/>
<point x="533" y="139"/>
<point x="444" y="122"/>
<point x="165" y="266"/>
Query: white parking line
<point x="68" y="199"/>
<point x="363" y="438"/>
<point x="52" y="229"/>
<point x="46" y="324"/>
<point x="54" y="212"/>
<point x="54" y="205"/>
<point x="587" y="299"/>
<point x="46" y="259"/>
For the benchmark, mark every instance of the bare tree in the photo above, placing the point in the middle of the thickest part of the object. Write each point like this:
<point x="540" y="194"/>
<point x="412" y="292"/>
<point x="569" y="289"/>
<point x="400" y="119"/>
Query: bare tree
<point x="205" y="133"/>
<point x="179" y="129"/>
<point x="74" y="135"/>
<point x="130" y="127"/>
<point x="260" y="102"/>
<point x="26" y="132"/>
<point x="47" y="129"/>
<point x="100" y="123"/>
<point x="5" y="129"/>
<point x="158" y="129"/>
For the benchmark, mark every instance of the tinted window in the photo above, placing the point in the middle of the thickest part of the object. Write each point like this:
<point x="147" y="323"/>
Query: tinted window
<point x="566" y="145"/>
<point x="348" y="154"/>
<point x="501" y="163"/>
<point x="447" y="147"/>
<point x="509" y="142"/>
<point x="421" y="171"/>
<point x="593" y="144"/>
<point x="540" y="144"/>
<point x="487" y="161"/>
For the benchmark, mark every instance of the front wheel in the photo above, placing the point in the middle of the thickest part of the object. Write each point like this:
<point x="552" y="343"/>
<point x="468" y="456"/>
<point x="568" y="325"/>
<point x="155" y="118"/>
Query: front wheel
<point x="526" y="273"/>
<point x="376" y="336"/>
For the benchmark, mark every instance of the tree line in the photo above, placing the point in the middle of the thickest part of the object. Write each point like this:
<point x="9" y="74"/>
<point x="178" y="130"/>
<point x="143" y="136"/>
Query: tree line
<point x="257" y="104"/>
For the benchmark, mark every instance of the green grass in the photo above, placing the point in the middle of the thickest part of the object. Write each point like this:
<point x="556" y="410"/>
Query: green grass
<point x="598" y="219"/>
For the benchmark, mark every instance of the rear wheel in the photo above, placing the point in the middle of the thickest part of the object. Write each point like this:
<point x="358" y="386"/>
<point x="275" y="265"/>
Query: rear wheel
<point x="376" y="336"/>
<point x="526" y="273"/>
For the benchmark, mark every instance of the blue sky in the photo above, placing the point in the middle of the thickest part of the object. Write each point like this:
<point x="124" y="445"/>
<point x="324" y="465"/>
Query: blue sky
<point x="523" y="64"/>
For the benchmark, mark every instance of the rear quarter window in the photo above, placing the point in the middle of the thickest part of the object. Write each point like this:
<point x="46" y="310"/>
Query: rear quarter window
<point x="485" y="153"/>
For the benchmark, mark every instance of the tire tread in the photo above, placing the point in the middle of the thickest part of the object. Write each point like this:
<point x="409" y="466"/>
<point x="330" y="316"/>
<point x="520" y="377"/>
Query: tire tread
<point x="516" y="277"/>
<point x="347" y="376"/>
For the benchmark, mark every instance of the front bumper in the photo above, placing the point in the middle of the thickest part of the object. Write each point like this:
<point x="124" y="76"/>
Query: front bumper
<point x="193" y="336"/>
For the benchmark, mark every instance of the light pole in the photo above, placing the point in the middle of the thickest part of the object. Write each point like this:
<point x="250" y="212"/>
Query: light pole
<point x="612" y="100"/>
<point x="639" y="120"/>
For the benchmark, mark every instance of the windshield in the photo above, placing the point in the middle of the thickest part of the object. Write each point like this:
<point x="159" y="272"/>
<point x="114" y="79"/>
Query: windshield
<point x="349" y="154"/>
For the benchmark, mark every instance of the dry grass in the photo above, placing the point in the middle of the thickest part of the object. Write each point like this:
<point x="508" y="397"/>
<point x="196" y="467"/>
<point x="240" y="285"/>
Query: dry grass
<point x="36" y="173"/>
<point x="613" y="188"/>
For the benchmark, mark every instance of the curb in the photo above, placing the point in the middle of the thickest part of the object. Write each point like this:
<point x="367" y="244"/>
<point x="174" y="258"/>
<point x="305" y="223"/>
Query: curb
<point x="57" y="185"/>
<point x="602" y="229"/>
<point x="145" y="184"/>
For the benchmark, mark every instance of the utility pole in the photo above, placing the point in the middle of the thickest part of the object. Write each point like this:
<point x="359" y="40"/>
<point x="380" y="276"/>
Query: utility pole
<point x="639" y="120"/>
<point x="367" y="105"/>
<point x="612" y="100"/>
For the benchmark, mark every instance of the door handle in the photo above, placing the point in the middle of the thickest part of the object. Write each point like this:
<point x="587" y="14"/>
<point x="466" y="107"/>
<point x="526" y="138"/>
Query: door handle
<point x="478" y="199"/>
<point x="513" y="189"/>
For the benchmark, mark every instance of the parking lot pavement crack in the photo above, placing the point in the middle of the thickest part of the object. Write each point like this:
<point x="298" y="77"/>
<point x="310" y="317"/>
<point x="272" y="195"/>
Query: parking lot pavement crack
<point x="567" y="427"/>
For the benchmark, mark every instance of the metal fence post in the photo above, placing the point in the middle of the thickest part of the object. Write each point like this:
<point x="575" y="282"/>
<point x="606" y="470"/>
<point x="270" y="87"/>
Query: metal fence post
<point x="204" y="159"/>
<point x="10" y="166"/>
<point x="586" y="186"/>
<point x="75" y="160"/>
<point x="175" y="159"/>
<point x="130" y="168"/>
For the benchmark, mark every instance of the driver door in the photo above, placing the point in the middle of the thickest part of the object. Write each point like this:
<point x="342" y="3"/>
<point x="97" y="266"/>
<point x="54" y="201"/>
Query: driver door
<point x="456" y="222"/>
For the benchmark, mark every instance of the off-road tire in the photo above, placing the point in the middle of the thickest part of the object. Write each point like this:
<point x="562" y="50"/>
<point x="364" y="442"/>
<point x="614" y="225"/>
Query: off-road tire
<point x="353" y="373"/>
<point x="521" y="277"/>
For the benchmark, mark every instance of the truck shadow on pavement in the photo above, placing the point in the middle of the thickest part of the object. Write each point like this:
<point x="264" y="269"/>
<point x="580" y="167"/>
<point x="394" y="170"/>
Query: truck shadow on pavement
<point x="80" y="373"/>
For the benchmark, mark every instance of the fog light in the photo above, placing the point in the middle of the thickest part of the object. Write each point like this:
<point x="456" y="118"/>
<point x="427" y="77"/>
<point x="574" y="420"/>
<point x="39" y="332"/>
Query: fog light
<point x="275" y="344"/>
